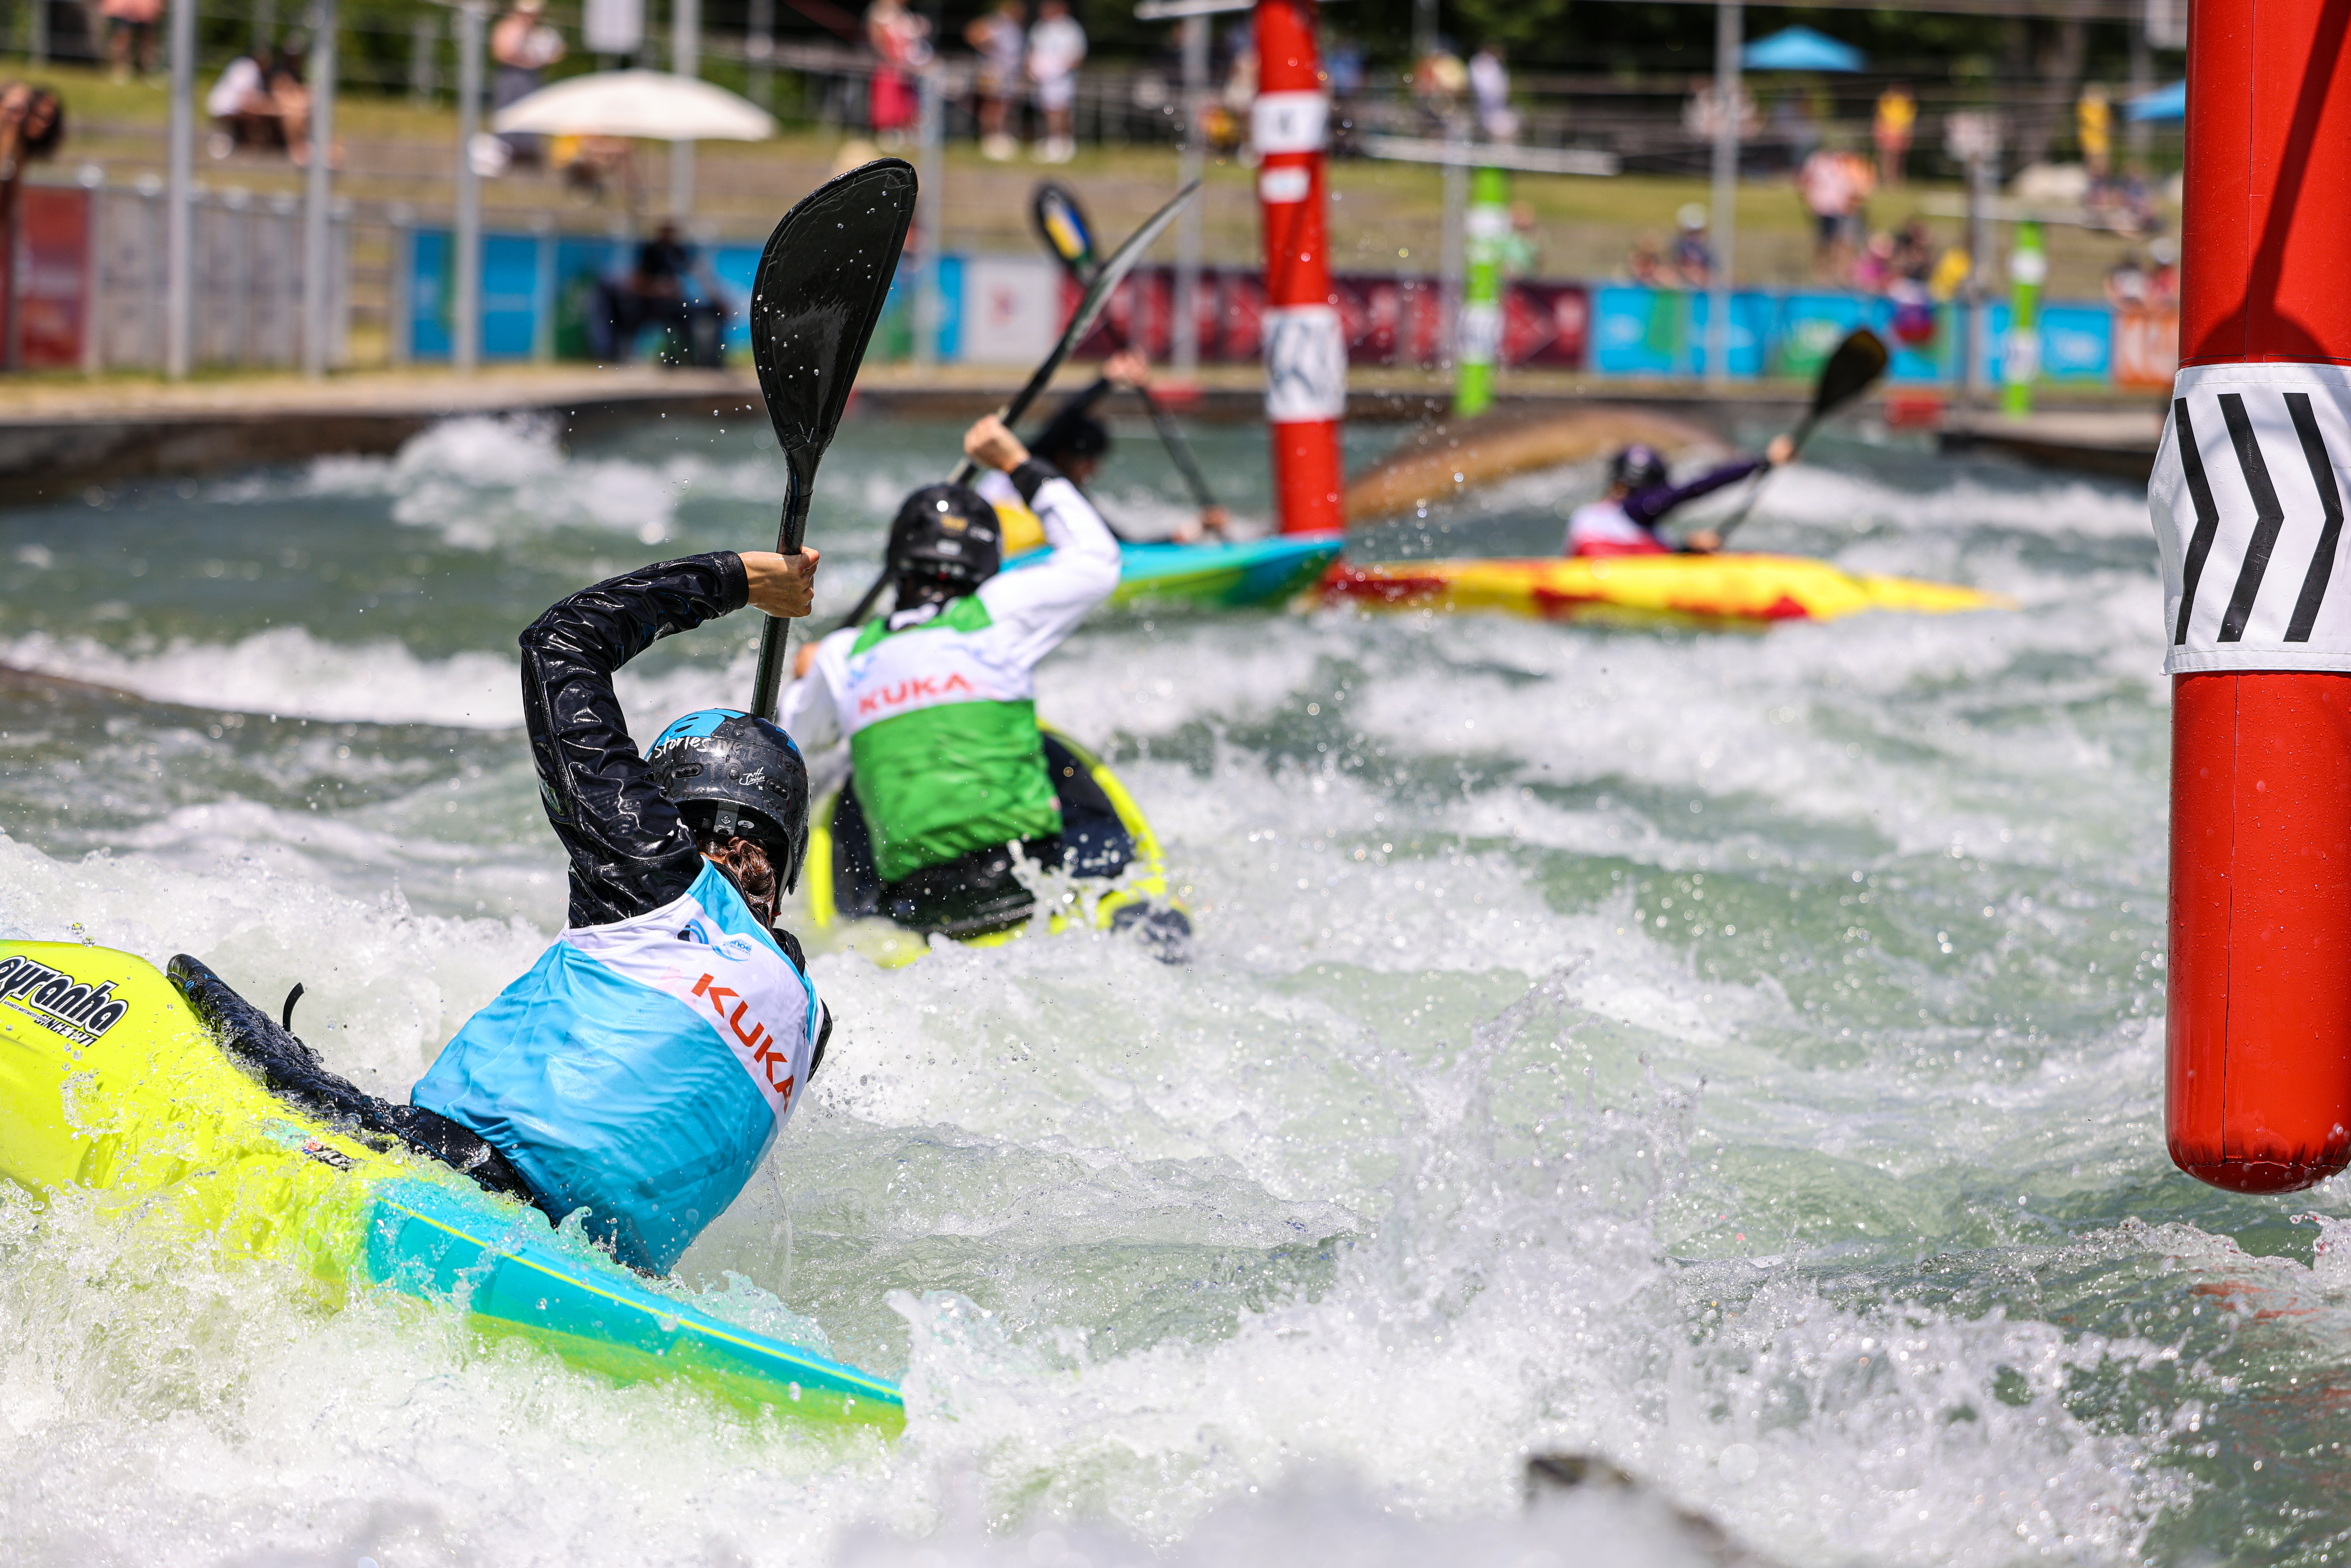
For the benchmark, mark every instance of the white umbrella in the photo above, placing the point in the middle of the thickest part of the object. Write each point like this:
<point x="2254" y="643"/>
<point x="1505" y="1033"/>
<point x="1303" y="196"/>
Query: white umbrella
<point x="654" y="105"/>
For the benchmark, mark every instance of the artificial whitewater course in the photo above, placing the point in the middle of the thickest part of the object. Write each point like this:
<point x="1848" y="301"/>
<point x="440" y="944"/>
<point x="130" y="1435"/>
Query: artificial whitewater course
<point x="1733" y="1057"/>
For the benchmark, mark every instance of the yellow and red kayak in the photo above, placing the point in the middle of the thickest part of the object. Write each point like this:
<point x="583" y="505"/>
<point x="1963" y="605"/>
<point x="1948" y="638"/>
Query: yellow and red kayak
<point x="1725" y="590"/>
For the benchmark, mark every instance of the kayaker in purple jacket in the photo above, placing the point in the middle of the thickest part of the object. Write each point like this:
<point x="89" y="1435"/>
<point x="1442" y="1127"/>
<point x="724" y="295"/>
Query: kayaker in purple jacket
<point x="1641" y="494"/>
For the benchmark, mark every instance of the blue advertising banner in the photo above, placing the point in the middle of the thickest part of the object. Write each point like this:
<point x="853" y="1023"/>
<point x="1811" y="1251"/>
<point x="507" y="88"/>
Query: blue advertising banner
<point x="550" y="295"/>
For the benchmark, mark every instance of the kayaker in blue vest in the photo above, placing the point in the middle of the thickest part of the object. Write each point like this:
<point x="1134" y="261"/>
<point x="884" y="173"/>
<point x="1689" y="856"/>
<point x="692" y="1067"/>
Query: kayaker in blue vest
<point x="939" y="700"/>
<point x="641" y="1069"/>
<point x="1641" y="493"/>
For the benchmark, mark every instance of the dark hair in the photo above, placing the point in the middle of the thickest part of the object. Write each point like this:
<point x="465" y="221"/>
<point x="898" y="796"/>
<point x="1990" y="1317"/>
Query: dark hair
<point x="46" y="141"/>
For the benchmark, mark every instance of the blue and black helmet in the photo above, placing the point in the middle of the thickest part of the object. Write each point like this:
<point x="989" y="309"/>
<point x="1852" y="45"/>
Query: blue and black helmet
<point x="1639" y="466"/>
<point x="733" y="776"/>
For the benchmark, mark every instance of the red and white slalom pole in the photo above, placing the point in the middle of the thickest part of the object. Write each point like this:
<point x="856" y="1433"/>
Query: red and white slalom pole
<point x="2248" y="498"/>
<point x="1305" y="351"/>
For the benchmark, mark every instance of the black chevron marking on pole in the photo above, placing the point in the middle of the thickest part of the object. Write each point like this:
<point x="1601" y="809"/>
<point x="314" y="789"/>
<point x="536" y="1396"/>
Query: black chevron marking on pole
<point x="2268" y="518"/>
<point x="2207" y="515"/>
<point x="2322" y="559"/>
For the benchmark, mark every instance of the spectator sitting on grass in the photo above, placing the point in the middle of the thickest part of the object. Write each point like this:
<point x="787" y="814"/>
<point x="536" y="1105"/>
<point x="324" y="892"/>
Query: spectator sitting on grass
<point x="243" y="112"/>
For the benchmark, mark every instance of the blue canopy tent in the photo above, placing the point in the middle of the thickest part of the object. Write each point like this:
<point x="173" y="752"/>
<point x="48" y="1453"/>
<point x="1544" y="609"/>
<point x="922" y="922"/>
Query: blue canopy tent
<point x="1799" y="49"/>
<point x="2164" y="103"/>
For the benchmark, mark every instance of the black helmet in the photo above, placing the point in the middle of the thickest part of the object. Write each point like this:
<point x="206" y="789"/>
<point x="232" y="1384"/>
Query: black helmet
<point x="946" y="534"/>
<point x="1074" y="433"/>
<point x="733" y="776"/>
<point x="1637" y="467"/>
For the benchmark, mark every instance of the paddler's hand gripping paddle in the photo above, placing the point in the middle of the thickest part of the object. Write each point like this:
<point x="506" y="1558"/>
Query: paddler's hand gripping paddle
<point x="822" y="279"/>
<point x="1061" y="224"/>
<point x="1855" y="366"/>
<point x="1089" y="306"/>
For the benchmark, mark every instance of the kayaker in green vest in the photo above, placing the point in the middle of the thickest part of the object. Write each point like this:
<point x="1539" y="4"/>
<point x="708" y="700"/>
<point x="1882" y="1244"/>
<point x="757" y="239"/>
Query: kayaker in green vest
<point x="939" y="700"/>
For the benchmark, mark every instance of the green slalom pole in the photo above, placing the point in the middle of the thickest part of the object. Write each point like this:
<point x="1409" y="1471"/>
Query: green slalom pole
<point x="2028" y="268"/>
<point x="1487" y="228"/>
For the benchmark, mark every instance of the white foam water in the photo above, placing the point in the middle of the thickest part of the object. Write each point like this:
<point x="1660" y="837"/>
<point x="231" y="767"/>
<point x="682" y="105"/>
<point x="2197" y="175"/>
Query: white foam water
<point x="1733" y="1059"/>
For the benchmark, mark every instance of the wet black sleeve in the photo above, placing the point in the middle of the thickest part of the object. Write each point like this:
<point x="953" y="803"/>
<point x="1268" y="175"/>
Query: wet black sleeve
<point x="630" y="853"/>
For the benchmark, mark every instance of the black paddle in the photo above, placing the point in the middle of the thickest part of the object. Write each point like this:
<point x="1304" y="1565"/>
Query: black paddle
<point x="1061" y="224"/>
<point x="1097" y="295"/>
<point x="1855" y="366"/>
<point x="822" y="279"/>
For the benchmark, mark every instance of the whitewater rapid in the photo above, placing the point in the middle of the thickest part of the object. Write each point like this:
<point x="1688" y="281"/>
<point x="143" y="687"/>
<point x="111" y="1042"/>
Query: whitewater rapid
<point x="1735" y="1056"/>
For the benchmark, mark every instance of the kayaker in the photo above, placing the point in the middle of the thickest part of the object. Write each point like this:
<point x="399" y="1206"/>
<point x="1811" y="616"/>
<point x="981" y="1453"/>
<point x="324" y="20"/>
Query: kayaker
<point x="1641" y="493"/>
<point x="1074" y="442"/>
<point x="938" y="702"/>
<point x="642" y="1067"/>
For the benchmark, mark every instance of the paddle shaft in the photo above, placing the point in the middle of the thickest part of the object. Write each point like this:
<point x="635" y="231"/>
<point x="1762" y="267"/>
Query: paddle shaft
<point x="775" y="637"/>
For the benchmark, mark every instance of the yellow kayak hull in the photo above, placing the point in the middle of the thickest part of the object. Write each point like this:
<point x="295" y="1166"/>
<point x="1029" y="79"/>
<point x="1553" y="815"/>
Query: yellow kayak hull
<point x="1723" y="590"/>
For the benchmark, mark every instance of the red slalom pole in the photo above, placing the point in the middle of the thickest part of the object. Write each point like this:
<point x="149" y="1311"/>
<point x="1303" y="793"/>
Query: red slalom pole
<point x="2248" y="498"/>
<point x="1305" y="352"/>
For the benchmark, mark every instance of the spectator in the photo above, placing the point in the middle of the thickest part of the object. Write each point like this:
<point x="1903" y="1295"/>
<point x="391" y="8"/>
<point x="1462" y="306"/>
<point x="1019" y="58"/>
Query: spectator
<point x="522" y="46"/>
<point x="656" y="293"/>
<point x="1874" y="271"/>
<point x="1914" y="251"/>
<point x="1057" y="46"/>
<point x="2163" y="272"/>
<point x="901" y="41"/>
<point x="130" y="36"/>
<point x="1522" y="247"/>
<point x="290" y="95"/>
<point x="1693" y="254"/>
<point x="1898" y="116"/>
<point x="32" y="123"/>
<point x="1438" y="80"/>
<point x="1001" y="36"/>
<point x="241" y="109"/>
<point x="2126" y="285"/>
<point x="1648" y="263"/>
<point x="1832" y="196"/>
<point x="2094" y="125"/>
<point x="1490" y="88"/>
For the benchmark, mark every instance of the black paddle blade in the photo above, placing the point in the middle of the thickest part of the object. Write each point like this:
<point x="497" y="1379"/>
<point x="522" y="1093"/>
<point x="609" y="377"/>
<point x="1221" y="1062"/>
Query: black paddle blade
<point x="1061" y="224"/>
<point x="1858" y="362"/>
<point x="822" y="279"/>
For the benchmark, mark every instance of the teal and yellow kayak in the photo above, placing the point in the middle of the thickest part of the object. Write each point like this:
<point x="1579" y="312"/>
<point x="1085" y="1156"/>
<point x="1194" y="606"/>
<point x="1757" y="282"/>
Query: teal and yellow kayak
<point x="1215" y="577"/>
<point x="109" y="1081"/>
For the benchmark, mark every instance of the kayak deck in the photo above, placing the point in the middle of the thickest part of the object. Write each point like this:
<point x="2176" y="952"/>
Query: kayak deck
<point x="1727" y="590"/>
<point x="1234" y="576"/>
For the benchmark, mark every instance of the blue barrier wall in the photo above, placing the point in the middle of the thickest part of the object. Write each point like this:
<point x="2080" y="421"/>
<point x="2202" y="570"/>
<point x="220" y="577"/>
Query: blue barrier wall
<point x="537" y="292"/>
<point x="537" y="289"/>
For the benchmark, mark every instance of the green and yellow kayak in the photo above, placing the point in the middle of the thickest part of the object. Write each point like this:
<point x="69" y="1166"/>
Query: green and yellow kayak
<point x="1723" y="590"/>
<point x="109" y="1081"/>
<point x="1105" y="835"/>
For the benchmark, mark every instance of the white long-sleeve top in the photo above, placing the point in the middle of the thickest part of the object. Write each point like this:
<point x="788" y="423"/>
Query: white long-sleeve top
<point x="1031" y="612"/>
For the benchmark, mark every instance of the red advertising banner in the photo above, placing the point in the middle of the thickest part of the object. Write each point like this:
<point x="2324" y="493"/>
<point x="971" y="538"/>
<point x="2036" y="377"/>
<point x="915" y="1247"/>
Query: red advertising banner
<point x="1386" y="318"/>
<point x="51" y="277"/>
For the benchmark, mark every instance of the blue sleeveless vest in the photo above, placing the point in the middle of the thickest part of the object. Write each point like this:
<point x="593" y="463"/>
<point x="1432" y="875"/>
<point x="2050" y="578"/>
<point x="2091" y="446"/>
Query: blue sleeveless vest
<point x="640" y="1070"/>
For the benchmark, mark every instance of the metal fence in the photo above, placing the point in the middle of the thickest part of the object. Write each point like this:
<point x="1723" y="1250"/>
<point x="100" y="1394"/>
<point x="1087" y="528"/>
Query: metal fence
<point x="90" y="289"/>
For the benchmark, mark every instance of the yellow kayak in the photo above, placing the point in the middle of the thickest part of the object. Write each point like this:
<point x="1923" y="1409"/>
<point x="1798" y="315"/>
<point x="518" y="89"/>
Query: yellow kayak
<point x="112" y="1082"/>
<point x="1106" y="835"/>
<point x="1724" y="591"/>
